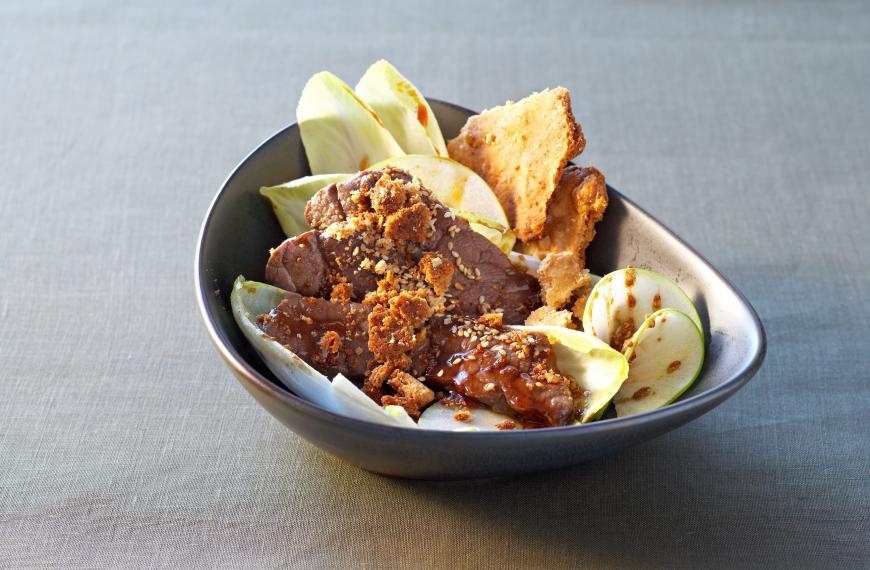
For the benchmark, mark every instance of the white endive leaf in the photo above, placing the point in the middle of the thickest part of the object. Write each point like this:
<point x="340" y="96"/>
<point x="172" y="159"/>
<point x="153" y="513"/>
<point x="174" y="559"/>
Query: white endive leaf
<point x="402" y="109"/>
<point x="523" y="262"/>
<point x="339" y="131"/>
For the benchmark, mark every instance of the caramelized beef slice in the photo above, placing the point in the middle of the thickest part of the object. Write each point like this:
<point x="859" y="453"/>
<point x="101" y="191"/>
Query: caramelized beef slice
<point x="333" y="337"/>
<point x="512" y="373"/>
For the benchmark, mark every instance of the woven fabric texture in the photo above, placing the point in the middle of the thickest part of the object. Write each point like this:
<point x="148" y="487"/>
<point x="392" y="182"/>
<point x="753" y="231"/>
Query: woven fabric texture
<point x="125" y="442"/>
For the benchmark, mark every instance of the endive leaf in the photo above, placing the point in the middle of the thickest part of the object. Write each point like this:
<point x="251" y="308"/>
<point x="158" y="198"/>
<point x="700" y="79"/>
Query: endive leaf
<point x="339" y="131"/>
<point x="402" y="109"/>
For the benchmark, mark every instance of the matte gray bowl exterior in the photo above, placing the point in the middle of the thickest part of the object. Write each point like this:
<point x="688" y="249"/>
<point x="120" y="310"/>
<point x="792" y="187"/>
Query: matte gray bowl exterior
<point x="240" y="227"/>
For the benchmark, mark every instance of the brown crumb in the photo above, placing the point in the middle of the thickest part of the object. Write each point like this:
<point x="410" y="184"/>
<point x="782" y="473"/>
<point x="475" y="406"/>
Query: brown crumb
<point x="622" y="334"/>
<point x="377" y="377"/>
<point x="410" y="308"/>
<point x="330" y="342"/>
<point x="341" y="293"/>
<point x="549" y="316"/>
<point x="506" y="425"/>
<point x="576" y="206"/>
<point x="408" y="403"/>
<point x="437" y="272"/>
<point x="462" y="416"/>
<point x="580" y="303"/>
<point x="409" y="224"/>
<point x="409" y="387"/>
<point x="392" y="196"/>
<point x="493" y="320"/>
<point x="389" y="337"/>
<point x="561" y="277"/>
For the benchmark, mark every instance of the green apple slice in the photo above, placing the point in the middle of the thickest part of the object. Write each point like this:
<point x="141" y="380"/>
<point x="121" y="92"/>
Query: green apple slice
<point x="339" y="131"/>
<point x="402" y="109"/>
<point x="631" y="294"/>
<point x="289" y="199"/>
<point x="249" y="299"/>
<point x="454" y="184"/>
<point x="665" y="356"/>
<point x="597" y="369"/>
<point x="441" y="417"/>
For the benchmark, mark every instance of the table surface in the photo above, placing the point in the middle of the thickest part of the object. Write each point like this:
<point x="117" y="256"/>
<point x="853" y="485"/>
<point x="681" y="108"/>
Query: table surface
<point x="124" y="441"/>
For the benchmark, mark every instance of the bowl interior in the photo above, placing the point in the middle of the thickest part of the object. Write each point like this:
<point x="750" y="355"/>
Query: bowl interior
<point x="241" y="227"/>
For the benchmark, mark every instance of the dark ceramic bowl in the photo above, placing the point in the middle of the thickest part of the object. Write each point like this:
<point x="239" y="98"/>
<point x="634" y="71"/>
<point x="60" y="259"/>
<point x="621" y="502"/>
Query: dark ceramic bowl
<point x="240" y="227"/>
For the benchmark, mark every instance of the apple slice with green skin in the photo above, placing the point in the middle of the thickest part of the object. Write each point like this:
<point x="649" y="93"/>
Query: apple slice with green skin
<point x="439" y="416"/>
<point x="597" y="369"/>
<point x="402" y="109"/>
<point x="339" y="131"/>
<point x="665" y="357"/>
<point x="289" y="199"/>
<point x="454" y="184"/>
<point x="628" y="296"/>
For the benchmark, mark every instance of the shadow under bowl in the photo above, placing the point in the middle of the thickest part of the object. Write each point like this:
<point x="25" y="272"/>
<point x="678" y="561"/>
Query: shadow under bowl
<point x="240" y="227"/>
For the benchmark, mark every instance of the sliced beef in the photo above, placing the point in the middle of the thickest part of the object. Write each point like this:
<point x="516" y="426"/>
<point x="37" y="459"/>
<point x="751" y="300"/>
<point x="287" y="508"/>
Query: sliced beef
<point x="332" y="337"/>
<point x="324" y="208"/>
<point x="483" y="279"/>
<point x="297" y="265"/>
<point x="512" y="373"/>
<point x="312" y="262"/>
<point x="407" y="281"/>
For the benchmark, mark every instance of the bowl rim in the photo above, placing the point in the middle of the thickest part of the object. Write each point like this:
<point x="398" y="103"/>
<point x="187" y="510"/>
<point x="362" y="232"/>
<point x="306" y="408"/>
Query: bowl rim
<point x="252" y="378"/>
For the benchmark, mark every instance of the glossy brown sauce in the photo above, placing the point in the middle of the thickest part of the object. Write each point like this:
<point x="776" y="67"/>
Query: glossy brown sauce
<point x="507" y="380"/>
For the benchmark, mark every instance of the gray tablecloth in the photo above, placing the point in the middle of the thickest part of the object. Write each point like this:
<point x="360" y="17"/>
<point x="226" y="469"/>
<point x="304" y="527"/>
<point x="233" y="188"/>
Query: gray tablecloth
<point x="125" y="442"/>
